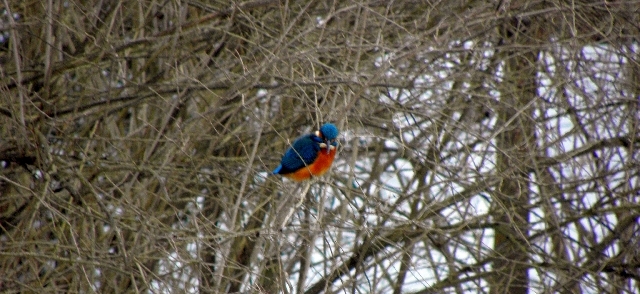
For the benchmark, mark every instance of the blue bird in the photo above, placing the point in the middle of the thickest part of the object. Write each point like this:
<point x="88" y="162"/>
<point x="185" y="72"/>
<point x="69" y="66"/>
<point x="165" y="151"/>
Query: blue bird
<point x="310" y="155"/>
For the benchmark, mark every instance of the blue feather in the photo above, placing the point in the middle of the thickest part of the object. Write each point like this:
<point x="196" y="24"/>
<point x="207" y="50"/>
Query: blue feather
<point x="303" y="152"/>
<point x="277" y="170"/>
<point x="329" y="131"/>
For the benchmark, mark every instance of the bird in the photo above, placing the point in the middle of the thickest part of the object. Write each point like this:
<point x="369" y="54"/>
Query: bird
<point x="310" y="155"/>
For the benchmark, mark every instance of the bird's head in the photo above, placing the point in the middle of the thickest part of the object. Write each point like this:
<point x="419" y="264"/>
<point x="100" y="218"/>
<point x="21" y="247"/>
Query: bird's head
<point x="328" y="132"/>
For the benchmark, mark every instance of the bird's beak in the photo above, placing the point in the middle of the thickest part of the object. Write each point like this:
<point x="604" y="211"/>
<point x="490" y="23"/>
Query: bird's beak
<point x="328" y="145"/>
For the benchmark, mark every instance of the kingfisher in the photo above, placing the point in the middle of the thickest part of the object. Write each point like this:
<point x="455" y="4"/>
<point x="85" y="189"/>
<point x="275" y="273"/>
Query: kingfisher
<point x="310" y="155"/>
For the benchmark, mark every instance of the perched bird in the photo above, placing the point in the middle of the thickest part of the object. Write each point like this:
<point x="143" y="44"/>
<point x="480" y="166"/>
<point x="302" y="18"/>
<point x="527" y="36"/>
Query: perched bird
<point x="310" y="155"/>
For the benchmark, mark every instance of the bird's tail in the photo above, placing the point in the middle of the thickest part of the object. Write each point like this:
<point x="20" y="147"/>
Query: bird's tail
<point x="277" y="170"/>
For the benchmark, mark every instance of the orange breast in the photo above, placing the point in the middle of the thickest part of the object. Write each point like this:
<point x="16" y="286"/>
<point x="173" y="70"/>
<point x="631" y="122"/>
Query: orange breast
<point x="319" y="167"/>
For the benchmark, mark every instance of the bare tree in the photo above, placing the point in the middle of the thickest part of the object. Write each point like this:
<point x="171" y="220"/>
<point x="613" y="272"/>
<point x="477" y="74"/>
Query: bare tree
<point x="485" y="146"/>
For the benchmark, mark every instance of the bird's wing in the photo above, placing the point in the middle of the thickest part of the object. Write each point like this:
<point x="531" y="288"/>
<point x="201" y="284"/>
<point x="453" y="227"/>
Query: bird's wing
<point x="303" y="152"/>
